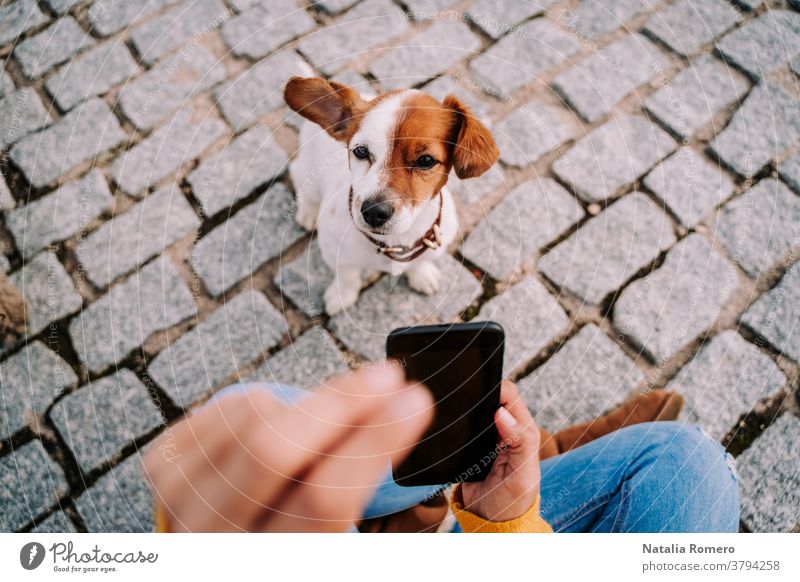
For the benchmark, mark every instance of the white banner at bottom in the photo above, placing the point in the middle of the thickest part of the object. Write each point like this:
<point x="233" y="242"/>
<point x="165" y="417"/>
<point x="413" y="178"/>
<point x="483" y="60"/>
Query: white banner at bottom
<point x="398" y="557"/>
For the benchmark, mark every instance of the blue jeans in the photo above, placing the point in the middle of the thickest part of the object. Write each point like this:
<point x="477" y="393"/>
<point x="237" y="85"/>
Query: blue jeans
<point x="651" y="477"/>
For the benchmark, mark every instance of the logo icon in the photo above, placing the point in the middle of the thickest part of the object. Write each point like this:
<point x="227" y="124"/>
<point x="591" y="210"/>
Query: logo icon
<point x="31" y="555"/>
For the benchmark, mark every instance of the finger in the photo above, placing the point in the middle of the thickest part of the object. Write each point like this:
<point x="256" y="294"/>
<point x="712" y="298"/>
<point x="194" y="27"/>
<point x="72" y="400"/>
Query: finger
<point x="280" y="449"/>
<point x="333" y="494"/>
<point x="206" y="434"/>
<point x="187" y="467"/>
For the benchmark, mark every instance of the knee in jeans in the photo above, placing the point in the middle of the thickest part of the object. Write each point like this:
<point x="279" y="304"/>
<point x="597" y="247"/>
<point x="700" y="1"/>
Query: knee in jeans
<point x="696" y="455"/>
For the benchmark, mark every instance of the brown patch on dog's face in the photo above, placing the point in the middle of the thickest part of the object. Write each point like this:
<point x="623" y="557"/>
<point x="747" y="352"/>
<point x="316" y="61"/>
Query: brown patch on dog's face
<point x="421" y="149"/>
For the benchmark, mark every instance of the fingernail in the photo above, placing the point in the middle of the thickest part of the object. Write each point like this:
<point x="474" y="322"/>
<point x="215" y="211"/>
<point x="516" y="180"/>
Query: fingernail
<point x="508" y="418"/>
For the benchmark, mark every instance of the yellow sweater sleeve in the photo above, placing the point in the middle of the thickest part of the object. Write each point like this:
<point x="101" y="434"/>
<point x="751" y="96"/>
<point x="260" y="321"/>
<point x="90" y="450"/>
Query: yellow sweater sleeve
<point x="529" y="522"/>
<point x="161" y="519"/>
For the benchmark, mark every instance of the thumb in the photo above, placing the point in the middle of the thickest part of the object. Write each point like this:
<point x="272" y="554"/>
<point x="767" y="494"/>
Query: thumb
<point x="507" y="427"/>
<point x="520" y="439"/>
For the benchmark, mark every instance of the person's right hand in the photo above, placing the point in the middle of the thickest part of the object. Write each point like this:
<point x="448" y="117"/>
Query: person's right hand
<point x="247" y="462"/>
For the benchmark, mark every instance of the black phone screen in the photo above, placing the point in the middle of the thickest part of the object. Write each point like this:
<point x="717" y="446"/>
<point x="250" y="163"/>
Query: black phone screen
<point x="462" y="366"/>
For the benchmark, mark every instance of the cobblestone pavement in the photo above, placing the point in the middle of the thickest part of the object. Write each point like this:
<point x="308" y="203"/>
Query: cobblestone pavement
<point x="641" y="230"/>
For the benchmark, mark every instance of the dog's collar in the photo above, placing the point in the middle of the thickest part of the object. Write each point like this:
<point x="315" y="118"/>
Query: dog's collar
<point x="432" y="239"/>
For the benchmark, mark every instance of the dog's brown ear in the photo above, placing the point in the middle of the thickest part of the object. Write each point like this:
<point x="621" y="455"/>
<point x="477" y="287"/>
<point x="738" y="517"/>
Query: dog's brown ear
<point x="333" y="106"/>
<point x="475" y="150"/>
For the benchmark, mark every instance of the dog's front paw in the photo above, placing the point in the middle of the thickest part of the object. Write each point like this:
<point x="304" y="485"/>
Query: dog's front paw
<point x="424" y="278"/>
<point x="338" y="298"/>
<point x="307" y="215"/>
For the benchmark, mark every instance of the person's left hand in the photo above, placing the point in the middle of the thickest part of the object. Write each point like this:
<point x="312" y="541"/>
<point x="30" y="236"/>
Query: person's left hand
<point x="512" y="485"/>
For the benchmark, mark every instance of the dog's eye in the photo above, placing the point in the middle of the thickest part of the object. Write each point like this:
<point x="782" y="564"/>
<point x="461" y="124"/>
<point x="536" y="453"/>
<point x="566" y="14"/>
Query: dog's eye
<point x="425" y="162"/>
<point x="361" y="152"/>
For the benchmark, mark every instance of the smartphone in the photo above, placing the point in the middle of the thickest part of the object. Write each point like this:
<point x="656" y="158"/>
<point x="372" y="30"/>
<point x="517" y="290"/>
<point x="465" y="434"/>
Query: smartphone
<point x="462" y="365"/>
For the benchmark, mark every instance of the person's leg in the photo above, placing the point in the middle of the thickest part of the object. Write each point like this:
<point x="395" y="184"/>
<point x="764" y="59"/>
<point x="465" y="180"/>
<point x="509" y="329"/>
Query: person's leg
<point x="652" y="477"/>
<point x="389" y="497"/>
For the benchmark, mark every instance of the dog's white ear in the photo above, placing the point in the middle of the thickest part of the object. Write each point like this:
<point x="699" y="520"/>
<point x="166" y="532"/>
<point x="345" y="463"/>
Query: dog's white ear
<point x="333" y="106"/>
<point x="475" y="149"/>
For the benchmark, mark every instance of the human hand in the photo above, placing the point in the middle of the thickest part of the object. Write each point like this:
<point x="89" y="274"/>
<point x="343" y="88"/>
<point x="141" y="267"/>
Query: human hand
<point x="247" y="462"/>
<point x="512" y="485"/>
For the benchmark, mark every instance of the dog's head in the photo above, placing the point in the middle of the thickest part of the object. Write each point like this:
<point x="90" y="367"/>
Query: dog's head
<point x="402" y="146"/>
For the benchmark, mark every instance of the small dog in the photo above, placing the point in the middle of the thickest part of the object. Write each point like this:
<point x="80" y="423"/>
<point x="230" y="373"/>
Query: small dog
<point x="381" y="167"/>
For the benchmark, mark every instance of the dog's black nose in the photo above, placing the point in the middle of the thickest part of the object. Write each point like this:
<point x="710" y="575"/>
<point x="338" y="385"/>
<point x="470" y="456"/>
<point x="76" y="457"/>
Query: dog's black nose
<point x="376" y="213"/>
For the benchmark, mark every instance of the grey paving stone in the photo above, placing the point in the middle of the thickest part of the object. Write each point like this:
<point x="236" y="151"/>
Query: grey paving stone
<point x="120" y="501"/>
<point x="7" y="201"/>
<point x="57" y="522"/>
<point x="58" y="43"/>
<point x="499" y="17"/>
<point x="531" y="131"/>
<point x="254" y="235"/>
<point x="6" y="84"/>
<point x="48" y="290"/>
<point x="763" y="44"/>
<point x="425" y="55"/>
<point x="30" y="483"/>
<point x="761" y="226"/>
<point x="260" y="30"/>
<point x="390" y="303"/>
<point x="725" y="380"/>
<point x="613" y="155"/>
<point x="776" y="315"/>
<point x="306" y="362"/>
<point x="595" y="18"/>
<point x="769" y="472"/>
<point x="61" y="6"/>
<point x="521" y="57"/>
<point x="766" y="124"/>
<point x="687" y="26"/>
<point x="92" y="73"/>
<point x="473" y="190"/>
<point x="674" y="304"/>
<point x="695" y="95"/>
<point x="152" y="299"/>
<point x="85" y="132"/>
<point x="304" y="280"/>
<point x="595" y="85"/>
<point x="248" y="162"/>
<point x="164" y="88"/>
<point x="790" y="172"/>
<point x="99" y="419"/>
<point x="689" y="185"/>
<point x="4" y="264"/>
<point x="587" y="376"/>
<point x="532" y="215"/>
<point x="21" y="112"/>
<point x="244" y="329"/>
<point x="110" y="16"/>
<point x="259" y="89"/>
<point x="357" y="33"/>
<point x="163" y="152"/>
<point x="609" y="249"/>
<point x="446" y="85"/>
<point x="134" y="237"/>
<point x="794" y="64"/>
<point x="19" y="17"/>
<point x="60" y="214"/>
<point x="329" y="6"/>
<point x="531" y="318"/>
<point x="176" y="27"/>
<point x="421" y="9"/>
<point x="31" y="379"/>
